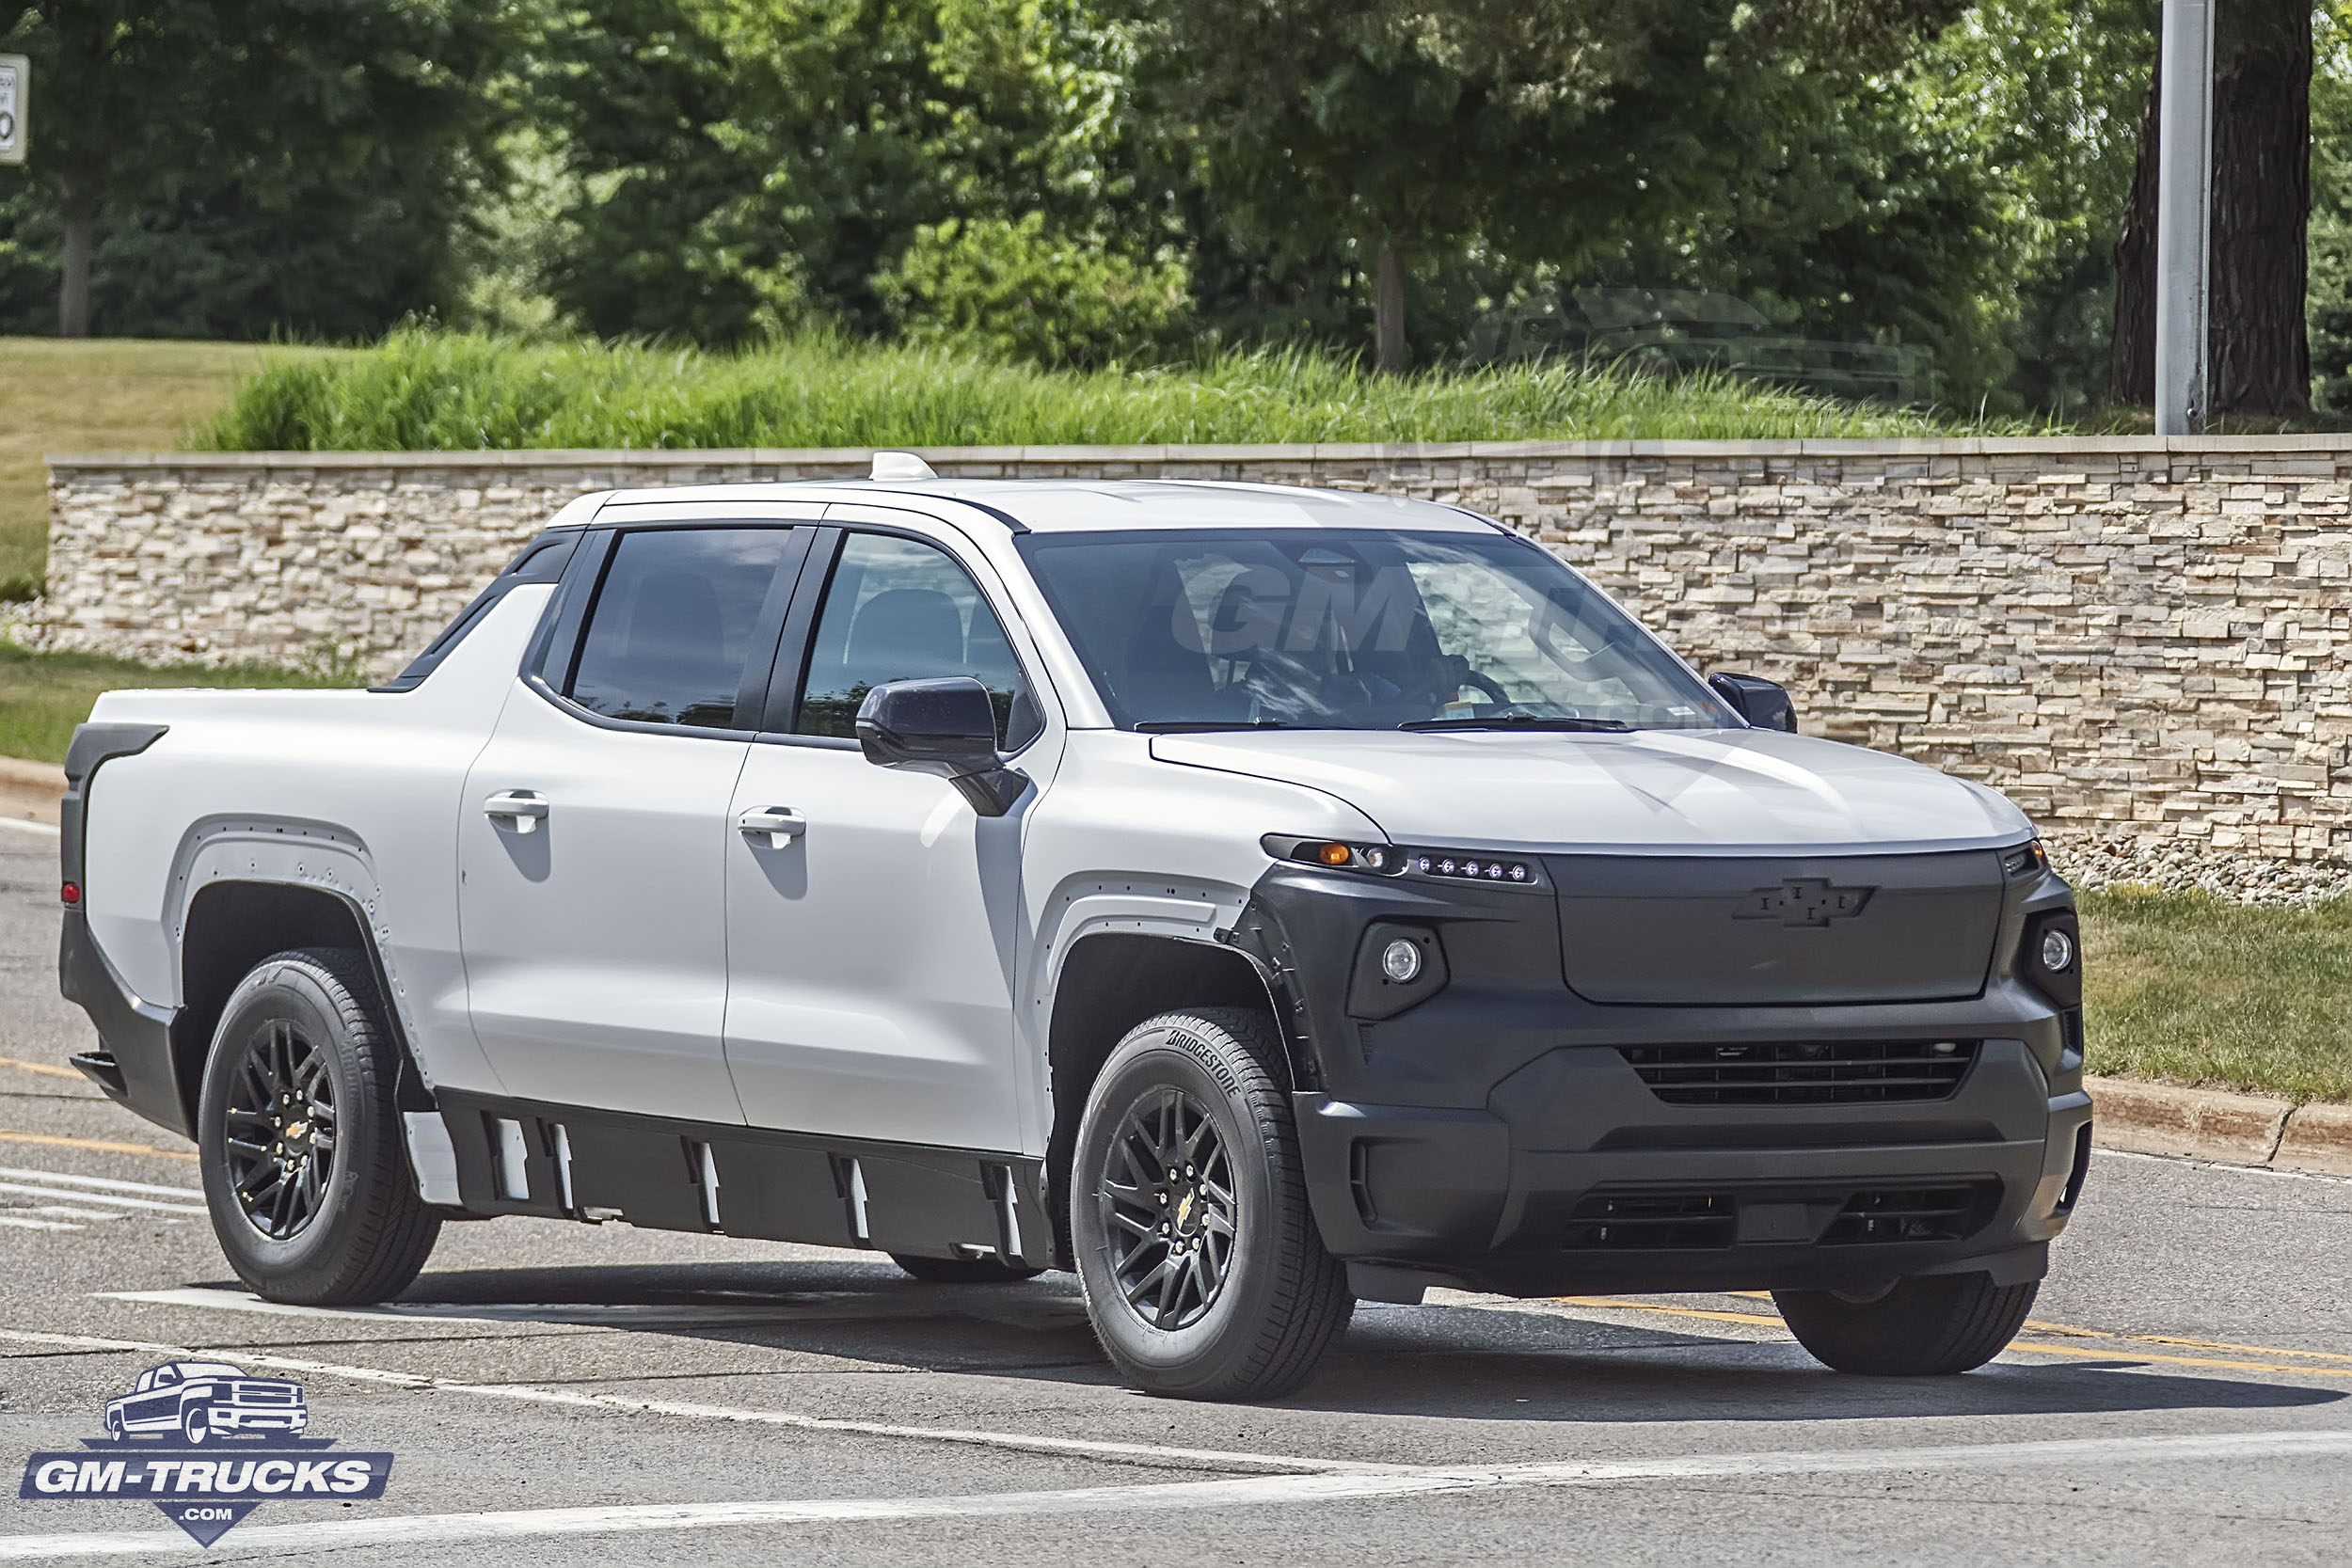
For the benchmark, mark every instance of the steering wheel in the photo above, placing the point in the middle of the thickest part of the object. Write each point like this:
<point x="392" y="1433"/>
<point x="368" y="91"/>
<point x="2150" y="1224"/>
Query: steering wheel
<point x="1485" y="684"/>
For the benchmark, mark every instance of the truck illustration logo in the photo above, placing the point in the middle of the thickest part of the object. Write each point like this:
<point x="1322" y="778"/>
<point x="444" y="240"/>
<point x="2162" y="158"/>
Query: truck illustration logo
<point x="207" y="1444"/>
<point x="200" y="1400"/>
<point x="1804" y="903"/>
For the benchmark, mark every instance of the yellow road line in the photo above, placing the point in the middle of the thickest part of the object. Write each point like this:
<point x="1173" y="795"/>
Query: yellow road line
<point x="42" y="1068"/>
<point x="2122" y="1344"/>
<point x="102" y="1145"/>
<point x="1615" y="1304"/>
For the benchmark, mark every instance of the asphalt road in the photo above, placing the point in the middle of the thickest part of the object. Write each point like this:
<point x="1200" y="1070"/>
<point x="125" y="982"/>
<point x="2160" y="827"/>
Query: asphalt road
<point x="569" y="1394"/>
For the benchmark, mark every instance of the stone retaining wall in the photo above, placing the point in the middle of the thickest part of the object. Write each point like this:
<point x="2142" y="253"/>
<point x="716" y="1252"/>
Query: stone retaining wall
<point x="2140" y="640"/>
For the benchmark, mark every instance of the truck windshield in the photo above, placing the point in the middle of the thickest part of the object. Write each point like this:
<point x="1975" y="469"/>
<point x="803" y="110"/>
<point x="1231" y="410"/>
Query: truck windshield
<point x="1354" y="630"/>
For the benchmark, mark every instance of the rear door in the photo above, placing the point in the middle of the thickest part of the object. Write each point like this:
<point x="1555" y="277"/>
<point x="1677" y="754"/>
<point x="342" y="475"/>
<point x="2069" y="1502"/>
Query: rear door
<point x="593" y="833"/>
<point x="873" y="948"/>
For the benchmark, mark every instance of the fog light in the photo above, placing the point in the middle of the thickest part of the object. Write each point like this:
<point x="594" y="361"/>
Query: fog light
<point x="2058" y="950"/>
<point x="1401" y="961"/>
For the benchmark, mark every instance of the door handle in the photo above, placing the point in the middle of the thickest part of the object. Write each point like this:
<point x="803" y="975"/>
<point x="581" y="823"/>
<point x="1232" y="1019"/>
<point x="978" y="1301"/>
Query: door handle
<point x="782" y="824"/>
<point x="522" y="809"/>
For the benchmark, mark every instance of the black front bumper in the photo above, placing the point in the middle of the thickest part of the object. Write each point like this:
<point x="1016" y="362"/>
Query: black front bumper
<point x="1496" y="1130"/>
<point x="1577" y="1179"/>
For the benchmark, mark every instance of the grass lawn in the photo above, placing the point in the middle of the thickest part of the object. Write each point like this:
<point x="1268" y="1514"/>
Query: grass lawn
<point x="426" y="391"/>
<point x="2189" y="989"/>
<point x="42" y="696"/>
<point x="100" y="394"/>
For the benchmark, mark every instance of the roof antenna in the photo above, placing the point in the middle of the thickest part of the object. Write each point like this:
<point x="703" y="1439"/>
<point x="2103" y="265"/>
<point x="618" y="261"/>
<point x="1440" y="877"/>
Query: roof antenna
<point x="901" y="465"/>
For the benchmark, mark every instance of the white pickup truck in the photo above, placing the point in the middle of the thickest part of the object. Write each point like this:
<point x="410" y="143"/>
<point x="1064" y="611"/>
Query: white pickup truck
<point x="1254" y="899"/>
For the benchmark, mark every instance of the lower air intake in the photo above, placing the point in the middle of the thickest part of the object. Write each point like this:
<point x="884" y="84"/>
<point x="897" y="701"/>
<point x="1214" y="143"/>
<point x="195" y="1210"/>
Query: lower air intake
<point x="1646" y="1220"/>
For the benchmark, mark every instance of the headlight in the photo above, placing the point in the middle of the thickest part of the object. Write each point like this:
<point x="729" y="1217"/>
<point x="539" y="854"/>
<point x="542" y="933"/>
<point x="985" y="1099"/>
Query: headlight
<point x="1391" y="859"/>
<point x="2051" y="957"/>
<point x="1401" y="961"/>
<point x="2058" y="950"/>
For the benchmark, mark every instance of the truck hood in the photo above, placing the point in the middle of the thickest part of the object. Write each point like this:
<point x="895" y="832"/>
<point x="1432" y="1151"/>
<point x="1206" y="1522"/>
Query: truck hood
<point x="1652" y="791"/>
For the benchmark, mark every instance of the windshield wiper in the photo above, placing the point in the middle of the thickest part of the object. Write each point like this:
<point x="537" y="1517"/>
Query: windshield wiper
<point x="1519" y="721"/>
<point x="1202" y="726"/>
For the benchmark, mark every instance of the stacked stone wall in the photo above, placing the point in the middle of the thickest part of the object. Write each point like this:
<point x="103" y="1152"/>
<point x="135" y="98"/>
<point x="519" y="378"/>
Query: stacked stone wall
<point x="2142" y="640"/>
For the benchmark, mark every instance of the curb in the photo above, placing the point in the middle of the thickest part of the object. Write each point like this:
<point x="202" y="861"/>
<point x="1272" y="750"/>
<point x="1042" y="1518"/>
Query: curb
<point x="2207" y="1124"/>
<point x="30" y="791"/>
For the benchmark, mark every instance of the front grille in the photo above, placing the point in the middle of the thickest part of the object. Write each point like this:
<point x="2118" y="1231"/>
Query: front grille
<point x="1646" y="1220"/>
<point x="1910" y="1214"/>
<point x="1802" y="1072"/>
<point x="264" y="1394"/>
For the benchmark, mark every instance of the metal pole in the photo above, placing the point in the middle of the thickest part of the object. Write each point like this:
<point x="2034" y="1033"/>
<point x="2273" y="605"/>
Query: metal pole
<point x="2184" y="214"/>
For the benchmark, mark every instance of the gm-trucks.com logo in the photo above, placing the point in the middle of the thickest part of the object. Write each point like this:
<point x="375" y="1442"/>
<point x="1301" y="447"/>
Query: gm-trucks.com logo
<point x="207" y="1445"/>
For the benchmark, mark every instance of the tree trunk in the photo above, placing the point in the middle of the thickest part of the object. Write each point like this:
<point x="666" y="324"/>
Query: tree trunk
<point x="81" y="237"/>
<point x="1387" y="313"/>
<point x="2258" y="359"/>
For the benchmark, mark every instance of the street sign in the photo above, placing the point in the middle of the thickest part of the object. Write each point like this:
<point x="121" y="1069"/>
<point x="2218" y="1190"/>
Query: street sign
<point x="16" y="80"/>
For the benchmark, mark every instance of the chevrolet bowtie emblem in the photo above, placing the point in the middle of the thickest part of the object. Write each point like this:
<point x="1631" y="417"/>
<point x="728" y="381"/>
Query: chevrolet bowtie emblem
<point x="1803" y="903"/>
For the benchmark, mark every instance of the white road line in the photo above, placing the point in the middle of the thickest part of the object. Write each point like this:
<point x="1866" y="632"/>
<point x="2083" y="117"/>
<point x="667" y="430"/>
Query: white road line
<point x="126" y="1202"/>
<point x="108" y="1183"/>
<point x="2060" y="1457"/>
<point x="72" y="1213"/>
<point x="45" y="829"/>
<point x="1018" y="1442"/>
<point x="24" y="1224"/>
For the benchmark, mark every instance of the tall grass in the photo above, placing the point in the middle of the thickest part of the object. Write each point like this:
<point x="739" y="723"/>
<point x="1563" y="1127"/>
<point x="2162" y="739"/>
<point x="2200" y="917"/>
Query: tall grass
<point x="438" y="391"/>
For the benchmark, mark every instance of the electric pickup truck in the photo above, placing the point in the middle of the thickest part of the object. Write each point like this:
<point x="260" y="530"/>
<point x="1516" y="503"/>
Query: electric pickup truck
<point x="1253" y="899"/>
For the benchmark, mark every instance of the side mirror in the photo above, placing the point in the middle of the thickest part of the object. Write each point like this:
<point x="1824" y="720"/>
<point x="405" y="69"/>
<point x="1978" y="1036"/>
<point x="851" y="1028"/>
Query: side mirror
<point x="945" y="726"/>
<point x="1763" y="704"/>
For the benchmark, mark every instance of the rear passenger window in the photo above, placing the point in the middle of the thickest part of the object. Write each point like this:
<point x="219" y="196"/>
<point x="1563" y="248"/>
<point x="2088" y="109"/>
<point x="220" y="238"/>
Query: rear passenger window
<point x="899" y="609"/>
<point x="672" y="628"/>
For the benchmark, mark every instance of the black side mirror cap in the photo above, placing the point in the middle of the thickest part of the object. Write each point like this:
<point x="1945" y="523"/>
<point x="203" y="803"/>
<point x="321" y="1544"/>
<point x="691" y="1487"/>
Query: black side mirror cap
<point x="1763" y="704"/>
<point x="945" y="726"/>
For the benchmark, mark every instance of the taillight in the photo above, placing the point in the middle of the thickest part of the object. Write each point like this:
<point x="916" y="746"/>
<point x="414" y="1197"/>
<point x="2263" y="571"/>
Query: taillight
<point x="70" y="893"/>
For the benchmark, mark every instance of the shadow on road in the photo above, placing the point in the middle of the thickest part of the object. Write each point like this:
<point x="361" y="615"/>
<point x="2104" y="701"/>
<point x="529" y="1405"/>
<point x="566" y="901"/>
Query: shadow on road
<point x="1442" y="1362"/>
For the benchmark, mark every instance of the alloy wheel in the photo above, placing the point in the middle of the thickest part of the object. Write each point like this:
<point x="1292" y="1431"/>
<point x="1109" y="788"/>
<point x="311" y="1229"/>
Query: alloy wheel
<point x="1169" y="1210"/>
<point x="281" y="1130"/>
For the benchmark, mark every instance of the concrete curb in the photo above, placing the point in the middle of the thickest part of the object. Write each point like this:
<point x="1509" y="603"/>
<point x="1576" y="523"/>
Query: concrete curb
<point x="2235" y="1128"/>
<point x="30" y="791"/>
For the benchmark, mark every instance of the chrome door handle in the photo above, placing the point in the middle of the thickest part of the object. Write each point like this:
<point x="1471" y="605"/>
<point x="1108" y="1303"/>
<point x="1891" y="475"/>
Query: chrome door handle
<point x="522" y="809"/>
<point x="782" y="824"/>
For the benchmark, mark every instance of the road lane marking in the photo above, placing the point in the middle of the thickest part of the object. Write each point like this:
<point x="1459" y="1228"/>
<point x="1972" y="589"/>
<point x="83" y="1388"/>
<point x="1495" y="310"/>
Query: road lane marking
<point x="808" y="1307"/>
<point x="46" y="828"/>
<point x="2178" y="1342"/>
<point x="21" y="1223"/>
<point x="1613" y="1305"/>
<point x="1132" y="1453"/>
<point x="108" y="1183"/>
<point x="101" y="1144"/>
<point x="72" y="1213"/>
<point x="2066" y="1456"/>
<point x="43" y="1069"/>
<point x="111" y="1198"/>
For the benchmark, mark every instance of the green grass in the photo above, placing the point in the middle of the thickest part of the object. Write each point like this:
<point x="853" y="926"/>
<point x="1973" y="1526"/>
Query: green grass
<point x="99" y="394"/>
<point x="426" y="391"/>
<point x="42" y="696"/>
<point x="2186" y="989"/>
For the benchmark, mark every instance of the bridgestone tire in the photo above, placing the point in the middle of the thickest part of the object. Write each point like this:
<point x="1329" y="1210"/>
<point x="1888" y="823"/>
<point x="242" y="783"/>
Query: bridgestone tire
<point x="1282" y="1299"/>
<point x="965" y="1271"/>
<point x="1931" y="1325"/>
<point x="369" y="1233"/>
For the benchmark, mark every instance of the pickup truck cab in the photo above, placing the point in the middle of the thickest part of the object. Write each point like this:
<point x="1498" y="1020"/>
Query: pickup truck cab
<point x="1254" y="899"/>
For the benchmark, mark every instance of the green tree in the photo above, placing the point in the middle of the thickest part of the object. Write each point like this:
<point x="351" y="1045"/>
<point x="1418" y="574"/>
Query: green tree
<point x="231" y="167"/>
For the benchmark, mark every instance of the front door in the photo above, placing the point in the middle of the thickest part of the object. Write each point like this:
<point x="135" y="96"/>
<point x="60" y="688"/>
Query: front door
<point x="594" y="833"/>
<point x="872" y="917"/>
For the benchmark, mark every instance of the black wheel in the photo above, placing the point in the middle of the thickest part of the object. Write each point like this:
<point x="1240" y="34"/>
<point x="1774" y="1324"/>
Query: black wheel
<point x="965" y="1271"/>
<point x="193" y="1425"/>
<point x="305" y="1167"/>
<point x="1928" y="1326"/>
<point x="1203" y="1273"/>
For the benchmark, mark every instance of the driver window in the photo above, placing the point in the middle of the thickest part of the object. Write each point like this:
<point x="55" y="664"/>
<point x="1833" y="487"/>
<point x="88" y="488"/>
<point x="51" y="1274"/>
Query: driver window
<point x="899" y="609"/>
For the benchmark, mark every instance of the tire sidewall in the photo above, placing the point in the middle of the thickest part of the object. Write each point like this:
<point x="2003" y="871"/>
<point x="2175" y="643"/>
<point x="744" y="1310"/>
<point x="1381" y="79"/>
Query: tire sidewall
<point x="296" y="993"/>
<point x="1176" y="1056"/>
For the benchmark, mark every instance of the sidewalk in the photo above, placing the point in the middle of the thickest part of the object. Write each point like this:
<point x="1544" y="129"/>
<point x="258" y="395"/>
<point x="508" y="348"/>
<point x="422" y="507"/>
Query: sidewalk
<point x="29" y="791"/>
